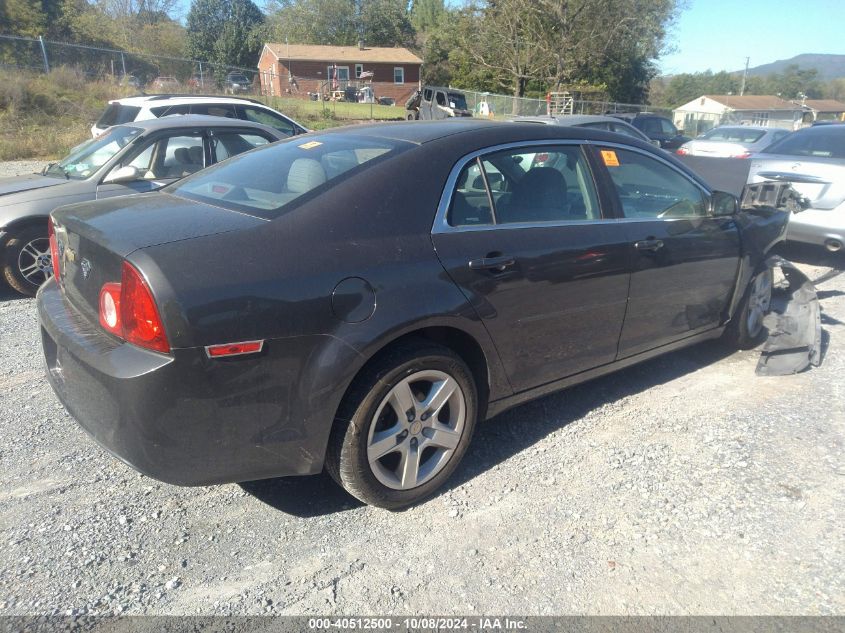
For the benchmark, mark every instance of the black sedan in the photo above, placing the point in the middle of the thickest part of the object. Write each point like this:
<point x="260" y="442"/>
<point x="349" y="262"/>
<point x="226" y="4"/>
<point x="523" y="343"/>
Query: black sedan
<point x="358" y="299"/>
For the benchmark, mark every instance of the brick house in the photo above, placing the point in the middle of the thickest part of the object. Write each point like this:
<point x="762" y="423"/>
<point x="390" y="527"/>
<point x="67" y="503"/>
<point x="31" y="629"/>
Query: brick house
<point x="300" y="69"/>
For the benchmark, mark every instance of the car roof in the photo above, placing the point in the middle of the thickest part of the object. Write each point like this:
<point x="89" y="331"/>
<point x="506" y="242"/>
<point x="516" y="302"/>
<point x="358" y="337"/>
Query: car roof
<point x="737" y="126"/>
<point x="195" y="121"/>
<point x="569" y="119"/>
<point x="140" y="100"/>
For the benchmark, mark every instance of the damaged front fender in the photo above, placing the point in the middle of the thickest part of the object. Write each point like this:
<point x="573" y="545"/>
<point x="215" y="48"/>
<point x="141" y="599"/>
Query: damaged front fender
<point x="794" y="324"/>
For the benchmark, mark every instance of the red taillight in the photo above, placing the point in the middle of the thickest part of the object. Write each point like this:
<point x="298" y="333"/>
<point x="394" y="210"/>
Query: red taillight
<point x="742" y="155"/>
<point x="54" y="249"/>
<point x="141" y="322"/>
<point x="128" y="310"/>
<point x="682" y="151"/>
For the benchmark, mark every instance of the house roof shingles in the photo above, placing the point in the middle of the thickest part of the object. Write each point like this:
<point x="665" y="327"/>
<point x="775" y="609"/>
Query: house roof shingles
<point x="825" y="105"/>
<point x="753" y="102"/>
<point x="372" y="54"/>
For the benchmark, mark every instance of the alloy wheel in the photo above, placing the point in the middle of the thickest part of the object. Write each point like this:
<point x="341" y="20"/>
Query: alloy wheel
<point x="35" y="262"/>
<point x="759" y="302"/>
<point x="416" y="429"/>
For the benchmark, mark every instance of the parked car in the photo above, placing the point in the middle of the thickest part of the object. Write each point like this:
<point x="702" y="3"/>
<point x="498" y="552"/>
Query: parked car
<point x="813" y="161"/>
<point x="732" y="141"/>
<point x="238" y="83"/>
<point x="125" y="159"/>
<point x="592" y="121"/>
<point x="360" y="300"/>
<point x="165" y="83"/>
<point x="131" y="81"/>
<point x="435" y="102"/>
<point x="657" y="128"/>
<point x="144" y="107"/>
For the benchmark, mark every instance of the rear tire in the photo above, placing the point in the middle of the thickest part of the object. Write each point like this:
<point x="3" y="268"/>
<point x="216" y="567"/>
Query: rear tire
<point x="27" y="262"/>
<point x="746" y="329"/>
<point x="404" y="426"/>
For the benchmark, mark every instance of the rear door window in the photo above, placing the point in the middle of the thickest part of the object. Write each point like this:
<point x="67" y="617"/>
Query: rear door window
<point x="532" y="185"/>
<point x="161" y="111"/>
<point x="270" y="119"/>
<point x="215" y="109"/>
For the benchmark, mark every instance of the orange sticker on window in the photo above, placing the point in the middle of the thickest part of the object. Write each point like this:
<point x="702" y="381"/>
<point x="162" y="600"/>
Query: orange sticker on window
<point x="609" y="157"/>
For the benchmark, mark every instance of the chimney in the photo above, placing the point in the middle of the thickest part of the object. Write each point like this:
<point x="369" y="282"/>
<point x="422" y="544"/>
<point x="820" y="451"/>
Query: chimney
<point x="361" y="44"/>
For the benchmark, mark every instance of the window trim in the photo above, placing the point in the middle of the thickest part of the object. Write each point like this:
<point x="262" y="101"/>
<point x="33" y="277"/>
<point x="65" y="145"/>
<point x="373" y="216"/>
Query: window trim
<point x="359" y="68"/>
<point x="441" y="218"/>
<point x="402" y="71"/>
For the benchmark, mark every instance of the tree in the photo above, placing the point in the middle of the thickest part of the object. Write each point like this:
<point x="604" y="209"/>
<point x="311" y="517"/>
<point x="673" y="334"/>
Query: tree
<point x="501" y="38"/>
<point x="385" y="23"/>
<point x="223" y="32"/>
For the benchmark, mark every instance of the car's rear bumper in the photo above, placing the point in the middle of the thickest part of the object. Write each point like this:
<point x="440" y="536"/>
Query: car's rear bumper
<point x="181" y="418"/>
<point x="818" y="226"/>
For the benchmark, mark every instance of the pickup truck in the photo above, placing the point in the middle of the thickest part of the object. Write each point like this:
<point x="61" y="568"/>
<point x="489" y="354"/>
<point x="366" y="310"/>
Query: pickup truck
<point x="435" y="102"/>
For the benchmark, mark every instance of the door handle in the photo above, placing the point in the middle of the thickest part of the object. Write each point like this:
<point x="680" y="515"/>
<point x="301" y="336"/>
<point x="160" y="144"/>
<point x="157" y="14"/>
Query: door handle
<point x="496" y="264"/>
<point x="648" y="245"/>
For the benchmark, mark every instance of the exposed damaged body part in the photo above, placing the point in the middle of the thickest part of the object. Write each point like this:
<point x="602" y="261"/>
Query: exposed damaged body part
<point x="794" y="324"/>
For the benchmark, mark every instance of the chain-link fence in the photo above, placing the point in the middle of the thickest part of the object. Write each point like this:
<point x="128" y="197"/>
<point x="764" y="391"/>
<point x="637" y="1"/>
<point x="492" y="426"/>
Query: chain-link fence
<point x="505" y="106"/>
<point x="159" y="72"/>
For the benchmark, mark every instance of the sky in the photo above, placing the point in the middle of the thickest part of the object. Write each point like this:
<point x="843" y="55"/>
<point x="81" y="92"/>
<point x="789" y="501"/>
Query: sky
<point x="720" y="34"/>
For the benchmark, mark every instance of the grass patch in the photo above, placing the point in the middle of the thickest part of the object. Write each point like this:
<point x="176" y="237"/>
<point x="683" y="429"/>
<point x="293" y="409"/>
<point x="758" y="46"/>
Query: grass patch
<point x="318" y="115"/>
<point x="43" y="116"/>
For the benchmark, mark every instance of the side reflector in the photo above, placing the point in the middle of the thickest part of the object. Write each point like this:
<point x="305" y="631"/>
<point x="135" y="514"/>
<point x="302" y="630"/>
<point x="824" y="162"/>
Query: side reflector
<point x="54" y="249"/>
<point x="234" y="349"/>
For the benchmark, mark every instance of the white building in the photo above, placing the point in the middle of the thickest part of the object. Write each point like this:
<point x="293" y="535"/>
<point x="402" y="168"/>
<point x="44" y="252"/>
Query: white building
<point x="708" y="111"/>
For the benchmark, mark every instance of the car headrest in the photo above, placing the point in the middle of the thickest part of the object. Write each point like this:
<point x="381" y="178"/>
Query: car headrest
<point x="195" y="152"/>
<point x="305" y="174"/>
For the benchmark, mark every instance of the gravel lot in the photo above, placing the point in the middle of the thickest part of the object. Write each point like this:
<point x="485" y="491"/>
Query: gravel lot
<point x="685" y="485"/>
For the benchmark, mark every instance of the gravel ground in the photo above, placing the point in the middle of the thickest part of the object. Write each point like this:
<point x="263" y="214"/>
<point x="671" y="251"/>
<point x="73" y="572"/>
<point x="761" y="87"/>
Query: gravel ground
<point x="684" y="485"/>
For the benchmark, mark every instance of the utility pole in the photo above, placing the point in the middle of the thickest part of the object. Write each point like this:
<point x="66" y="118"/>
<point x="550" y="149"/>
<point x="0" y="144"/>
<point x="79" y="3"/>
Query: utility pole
<point x="744" y="76"/>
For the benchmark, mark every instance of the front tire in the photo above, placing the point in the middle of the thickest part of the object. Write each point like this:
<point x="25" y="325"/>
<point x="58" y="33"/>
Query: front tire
<point x="746" y="330"/>
<point x="404" y="426"/>
<point x="27" y="262"/>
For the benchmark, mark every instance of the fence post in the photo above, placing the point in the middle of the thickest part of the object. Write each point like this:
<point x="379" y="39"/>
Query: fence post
<point x="44" y="54"/>
<point x="202" y="81"/>
<point x="123" y="63"/>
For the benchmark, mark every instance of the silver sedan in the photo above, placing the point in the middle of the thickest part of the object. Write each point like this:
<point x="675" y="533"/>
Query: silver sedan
<point x="732" y="141"/>
<point x="813" y="161"/>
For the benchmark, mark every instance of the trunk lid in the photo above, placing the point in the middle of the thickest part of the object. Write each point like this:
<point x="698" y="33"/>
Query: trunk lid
<point x="94" y="238"/>
<point x="820" y="180"/>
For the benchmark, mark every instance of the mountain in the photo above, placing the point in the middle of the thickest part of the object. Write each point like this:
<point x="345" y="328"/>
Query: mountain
<point x="828" y="66"/>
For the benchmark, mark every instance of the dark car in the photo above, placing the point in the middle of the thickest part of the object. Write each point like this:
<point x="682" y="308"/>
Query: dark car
<point x="132" y="158"/>
<point x="358" y="299"/>
<point x="238" y="83"/>
<point x="657" y="128"/>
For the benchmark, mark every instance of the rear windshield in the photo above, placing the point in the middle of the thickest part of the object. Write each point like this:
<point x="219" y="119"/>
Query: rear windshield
<point x="272" y="180"/>
<point x="116" y="114"/>
<point x="825" y="141"/>
<point x="733" y="135"/>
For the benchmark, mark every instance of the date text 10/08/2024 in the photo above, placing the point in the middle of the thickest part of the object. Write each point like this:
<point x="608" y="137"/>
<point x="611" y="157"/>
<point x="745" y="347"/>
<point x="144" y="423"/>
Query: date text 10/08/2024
<point x="418" y="624"/>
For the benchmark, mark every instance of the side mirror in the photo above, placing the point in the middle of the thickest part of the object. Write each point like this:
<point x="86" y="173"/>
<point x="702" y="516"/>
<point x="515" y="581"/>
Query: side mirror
<point x="127" y="173"/>
<point x="723" y="203"/>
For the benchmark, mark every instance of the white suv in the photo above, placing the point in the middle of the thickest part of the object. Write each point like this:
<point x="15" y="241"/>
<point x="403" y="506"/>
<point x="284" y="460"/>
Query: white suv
<point x="129" y="109"/>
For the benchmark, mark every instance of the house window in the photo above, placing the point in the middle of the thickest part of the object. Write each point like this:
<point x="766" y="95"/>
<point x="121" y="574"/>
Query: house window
<point x="760" y="118"/>
<point x="398" y="75"/>
<point x="359" y="68"/>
